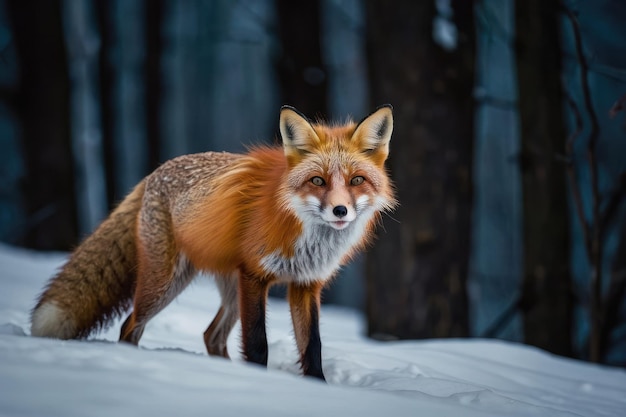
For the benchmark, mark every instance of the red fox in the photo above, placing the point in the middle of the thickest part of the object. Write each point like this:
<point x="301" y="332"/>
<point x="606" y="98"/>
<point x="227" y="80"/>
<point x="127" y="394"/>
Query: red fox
<point x="292" y="214"/>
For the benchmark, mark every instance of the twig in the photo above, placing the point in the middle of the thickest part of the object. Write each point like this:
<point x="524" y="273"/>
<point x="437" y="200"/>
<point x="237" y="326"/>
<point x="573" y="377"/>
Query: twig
<point x="571" y="173"/>
<point x="620" y="105"/>
<point x="593" y="118"/>
<point x="615" y="198"/>
<point x="584" y="79"/>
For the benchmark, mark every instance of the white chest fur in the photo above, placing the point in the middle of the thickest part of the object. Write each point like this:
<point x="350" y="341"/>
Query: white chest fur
<point x="317" y="253"/>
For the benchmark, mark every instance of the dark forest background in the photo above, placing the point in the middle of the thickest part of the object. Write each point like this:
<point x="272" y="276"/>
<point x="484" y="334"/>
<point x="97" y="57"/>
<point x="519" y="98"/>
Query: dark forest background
<point x="508" y="153"/>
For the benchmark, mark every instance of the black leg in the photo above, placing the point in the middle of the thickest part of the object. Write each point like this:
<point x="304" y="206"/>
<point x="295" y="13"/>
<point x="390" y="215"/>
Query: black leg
<point x="252" y="299"/>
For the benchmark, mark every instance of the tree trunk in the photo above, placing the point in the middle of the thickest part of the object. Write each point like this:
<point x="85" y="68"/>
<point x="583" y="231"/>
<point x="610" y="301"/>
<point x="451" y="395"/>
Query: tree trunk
<point x="106" y="74"/>
<point x="44" y="111"/>
<point x="546" y="283"/>
<point x="153" y="84"/>
<point x="417" y="270"/>
<point x="612" y="348"/>
<point x="301" y="72"/>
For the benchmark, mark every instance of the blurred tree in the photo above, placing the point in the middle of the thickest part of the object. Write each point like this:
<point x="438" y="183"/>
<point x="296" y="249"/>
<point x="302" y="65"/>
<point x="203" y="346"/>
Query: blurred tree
<point x="129" y="73"/>
<point x="11" y="160"/>
<point x="597" y="199"/>
<point x="153" y="92"/>
<point x="301" y="71"/>
<point x="613" y="331"/>
<point x="106" y="72"/>
<point x="82" y="44"/>
<point x="546" y="289"/>
<point x="43" y="109"/>
<point x="495" y="277"/>
<point x="421" y="59"/>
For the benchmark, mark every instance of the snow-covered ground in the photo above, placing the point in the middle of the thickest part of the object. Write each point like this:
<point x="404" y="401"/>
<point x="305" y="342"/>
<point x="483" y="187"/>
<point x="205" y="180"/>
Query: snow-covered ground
<point x="170" y="374"/>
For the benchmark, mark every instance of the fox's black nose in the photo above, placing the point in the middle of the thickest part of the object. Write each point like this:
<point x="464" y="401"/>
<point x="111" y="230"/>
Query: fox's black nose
<point x="340" y="211"/>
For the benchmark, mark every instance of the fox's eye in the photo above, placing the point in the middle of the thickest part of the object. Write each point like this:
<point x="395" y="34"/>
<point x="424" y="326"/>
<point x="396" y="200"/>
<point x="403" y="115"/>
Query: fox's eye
<point x="357" y="180"/>
<point x="319" y="181"/>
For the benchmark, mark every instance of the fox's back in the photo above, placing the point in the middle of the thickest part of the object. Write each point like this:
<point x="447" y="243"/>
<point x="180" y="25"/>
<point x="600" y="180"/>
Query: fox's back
<point x="189" y="176"/>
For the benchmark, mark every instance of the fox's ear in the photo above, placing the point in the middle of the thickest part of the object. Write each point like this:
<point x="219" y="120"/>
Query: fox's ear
<point x="373" y="133"/>
<point x="298" y="135"/>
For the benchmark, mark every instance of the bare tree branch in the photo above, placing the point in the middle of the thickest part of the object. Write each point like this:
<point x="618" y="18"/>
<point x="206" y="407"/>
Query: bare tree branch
<point x="593" y="118"/>
<point x="571" y="172"/>
<point x="594" y="236"/>
<point x="620" y="105"/>
<point x="615" y="198"/>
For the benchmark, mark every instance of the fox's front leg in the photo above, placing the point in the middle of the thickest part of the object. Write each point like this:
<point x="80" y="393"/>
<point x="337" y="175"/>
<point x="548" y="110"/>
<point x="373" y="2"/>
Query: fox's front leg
<point x="304" y="301"/>
<point x="252" y="300"/>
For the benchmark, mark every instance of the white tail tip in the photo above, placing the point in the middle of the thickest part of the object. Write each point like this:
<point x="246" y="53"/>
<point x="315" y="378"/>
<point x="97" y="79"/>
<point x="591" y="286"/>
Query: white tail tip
<point x="51" y="321"/>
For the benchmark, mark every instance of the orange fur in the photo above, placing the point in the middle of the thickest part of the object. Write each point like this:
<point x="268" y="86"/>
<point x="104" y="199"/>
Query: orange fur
<point x="302" y="298"/>
<point x="241" y="220"/>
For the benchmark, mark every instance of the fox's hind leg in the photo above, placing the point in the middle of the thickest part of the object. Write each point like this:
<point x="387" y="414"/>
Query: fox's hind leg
<point x="157" y="286"/>
<point x="162" y="271"/>
<point x="216" y="335"/>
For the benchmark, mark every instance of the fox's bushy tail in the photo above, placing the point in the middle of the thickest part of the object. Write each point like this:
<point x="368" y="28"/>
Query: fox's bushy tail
<point x="97" y="282"/>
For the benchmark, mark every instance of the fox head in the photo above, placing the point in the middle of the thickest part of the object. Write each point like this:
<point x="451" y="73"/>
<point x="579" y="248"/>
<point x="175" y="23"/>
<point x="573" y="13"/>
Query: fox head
<point x="336" y="173"/>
